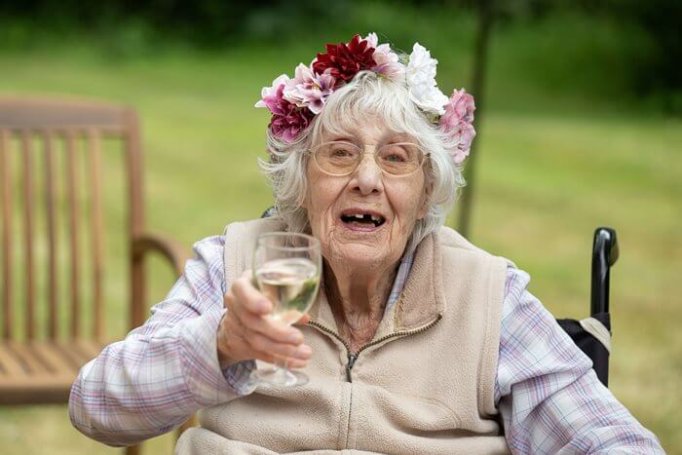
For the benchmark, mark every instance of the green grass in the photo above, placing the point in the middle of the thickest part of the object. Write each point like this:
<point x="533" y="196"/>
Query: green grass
<point x="549" y="173"/>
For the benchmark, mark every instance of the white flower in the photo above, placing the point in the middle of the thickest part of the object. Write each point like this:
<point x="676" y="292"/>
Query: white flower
<point x="270" y="91"/>
<point x="421" y="81"/>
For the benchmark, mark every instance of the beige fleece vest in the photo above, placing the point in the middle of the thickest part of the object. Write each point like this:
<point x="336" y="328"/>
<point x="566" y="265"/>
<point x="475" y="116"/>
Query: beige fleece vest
<point x="425" y="384"/>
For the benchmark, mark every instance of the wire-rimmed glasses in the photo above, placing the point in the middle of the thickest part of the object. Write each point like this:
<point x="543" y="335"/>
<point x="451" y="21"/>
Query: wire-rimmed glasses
<point x="341" y="158"/>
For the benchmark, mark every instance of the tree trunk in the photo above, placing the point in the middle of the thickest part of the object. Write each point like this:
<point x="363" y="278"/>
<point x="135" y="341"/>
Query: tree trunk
<point x="485" y="9"/>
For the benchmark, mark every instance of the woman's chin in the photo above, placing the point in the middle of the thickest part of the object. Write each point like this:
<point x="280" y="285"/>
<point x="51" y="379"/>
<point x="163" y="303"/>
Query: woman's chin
<point x="362" y="254"/>
<point x="360" y="247"/>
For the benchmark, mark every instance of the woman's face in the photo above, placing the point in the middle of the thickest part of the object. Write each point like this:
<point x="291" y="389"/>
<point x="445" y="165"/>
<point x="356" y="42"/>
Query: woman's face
<point x="365" y="219"/>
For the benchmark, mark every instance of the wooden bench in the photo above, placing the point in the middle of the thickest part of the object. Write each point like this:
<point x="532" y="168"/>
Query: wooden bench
<point x="57" y="226"/>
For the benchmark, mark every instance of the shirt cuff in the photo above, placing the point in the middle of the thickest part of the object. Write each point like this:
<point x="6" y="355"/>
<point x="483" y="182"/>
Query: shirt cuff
<point x="238" y="377"/>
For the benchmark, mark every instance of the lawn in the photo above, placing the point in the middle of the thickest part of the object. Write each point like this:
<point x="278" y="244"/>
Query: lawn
<point x="549" y="173"/>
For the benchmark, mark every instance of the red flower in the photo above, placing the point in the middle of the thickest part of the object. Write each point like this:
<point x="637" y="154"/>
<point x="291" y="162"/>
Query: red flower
<point x="344" y="61"/>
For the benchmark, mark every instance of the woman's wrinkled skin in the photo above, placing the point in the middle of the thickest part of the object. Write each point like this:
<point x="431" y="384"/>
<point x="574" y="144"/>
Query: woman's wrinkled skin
<point x="361" y="259"/>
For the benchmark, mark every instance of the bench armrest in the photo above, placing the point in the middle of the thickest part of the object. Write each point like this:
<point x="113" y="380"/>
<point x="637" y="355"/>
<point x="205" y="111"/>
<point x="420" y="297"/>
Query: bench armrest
<point x="169" y="248"/>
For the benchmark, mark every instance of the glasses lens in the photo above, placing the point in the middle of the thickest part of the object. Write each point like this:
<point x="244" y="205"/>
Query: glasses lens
<point x="338" y="158"/>
<point x="342" y="158"/>
<point x="399" y="159"/>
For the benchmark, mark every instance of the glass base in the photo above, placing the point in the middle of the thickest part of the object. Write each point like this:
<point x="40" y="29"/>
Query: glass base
<point x="278" y="376"/>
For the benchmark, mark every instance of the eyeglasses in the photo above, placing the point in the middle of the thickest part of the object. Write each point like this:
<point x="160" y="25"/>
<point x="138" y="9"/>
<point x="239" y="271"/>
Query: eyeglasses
<point x="339" y="158"/>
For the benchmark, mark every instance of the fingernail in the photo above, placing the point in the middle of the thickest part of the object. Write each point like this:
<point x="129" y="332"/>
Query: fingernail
<point x="263" y="306"/>
<point x="303" y="351"/>
<point x="295" y="337"/>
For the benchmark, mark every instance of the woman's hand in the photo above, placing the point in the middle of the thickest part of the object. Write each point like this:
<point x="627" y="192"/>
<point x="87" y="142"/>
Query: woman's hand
<point x="245" y="332"/>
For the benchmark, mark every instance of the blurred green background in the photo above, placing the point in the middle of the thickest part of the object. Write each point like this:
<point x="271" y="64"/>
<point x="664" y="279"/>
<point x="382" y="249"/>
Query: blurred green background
<point x="582" y="127"/>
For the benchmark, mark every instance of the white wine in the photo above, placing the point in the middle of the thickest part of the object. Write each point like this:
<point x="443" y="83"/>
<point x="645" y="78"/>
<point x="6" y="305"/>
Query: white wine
<point x="286" y="268"/>
<point x="290" y="284"/>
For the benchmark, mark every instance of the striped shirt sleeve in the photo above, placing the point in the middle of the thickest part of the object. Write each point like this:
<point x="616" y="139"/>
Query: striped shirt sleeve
<point x="165" y="370"/>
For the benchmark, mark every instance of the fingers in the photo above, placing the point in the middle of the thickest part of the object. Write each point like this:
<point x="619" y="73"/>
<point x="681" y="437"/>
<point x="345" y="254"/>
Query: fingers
<point x="253" y="301"/>
<point x="249" y="306"/>
<point x="266" y="347"/>
<point x="246" y="333"/>
<point x="304" y="319"/>
<point x="237" y="342"/>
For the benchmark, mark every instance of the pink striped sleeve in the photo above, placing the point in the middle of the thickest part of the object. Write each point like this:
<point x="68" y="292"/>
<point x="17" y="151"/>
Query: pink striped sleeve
<point x="164" y="370"/>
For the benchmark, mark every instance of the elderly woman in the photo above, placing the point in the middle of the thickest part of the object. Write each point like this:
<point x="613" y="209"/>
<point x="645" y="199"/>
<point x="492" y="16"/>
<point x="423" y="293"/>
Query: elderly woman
<point x="418" y="342"/>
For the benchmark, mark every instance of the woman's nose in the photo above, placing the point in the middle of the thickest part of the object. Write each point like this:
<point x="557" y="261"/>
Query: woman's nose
<point x="368" y="175"/>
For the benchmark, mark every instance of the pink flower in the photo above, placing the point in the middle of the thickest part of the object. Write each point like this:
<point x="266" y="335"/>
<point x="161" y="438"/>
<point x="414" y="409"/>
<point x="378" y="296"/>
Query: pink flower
<point x="270" y="91"/>
<point x="387" y="61"/>
<point x="309" y="90"/>
<point x="460" y="108"/>
<point x="288" y="120"/>
<point x="457" y="122"/>
<point x="372" y="40"/>
<point x="464" y="137"/>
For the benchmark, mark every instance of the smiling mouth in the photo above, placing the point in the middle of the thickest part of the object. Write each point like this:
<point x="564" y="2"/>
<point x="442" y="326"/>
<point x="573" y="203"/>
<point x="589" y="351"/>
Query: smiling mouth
<point x="363" y="219"/>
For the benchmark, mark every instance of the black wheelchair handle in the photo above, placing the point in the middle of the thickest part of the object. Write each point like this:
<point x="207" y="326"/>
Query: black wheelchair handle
<point x="604" y="255"/>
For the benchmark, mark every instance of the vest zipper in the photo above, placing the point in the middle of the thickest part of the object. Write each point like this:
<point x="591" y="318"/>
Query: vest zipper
<point x="353" y="356"/>
<point x="351" y="361"/>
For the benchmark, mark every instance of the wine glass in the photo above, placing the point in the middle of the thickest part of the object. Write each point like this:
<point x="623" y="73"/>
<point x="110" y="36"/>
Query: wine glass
<point x="287" y="268"/>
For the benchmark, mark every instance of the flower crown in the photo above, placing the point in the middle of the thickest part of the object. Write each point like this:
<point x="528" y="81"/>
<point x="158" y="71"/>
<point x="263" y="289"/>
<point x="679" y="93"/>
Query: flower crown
<point x="295" y="102"/>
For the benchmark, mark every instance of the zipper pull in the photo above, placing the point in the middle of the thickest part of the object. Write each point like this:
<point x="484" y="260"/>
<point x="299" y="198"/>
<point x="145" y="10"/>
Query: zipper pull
<point x="351" y="361"/>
